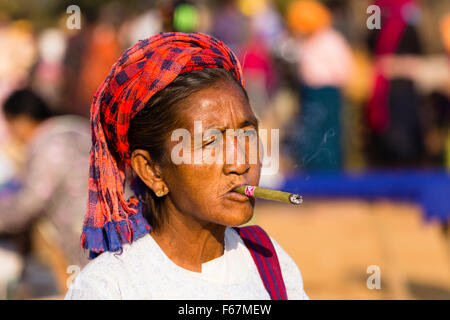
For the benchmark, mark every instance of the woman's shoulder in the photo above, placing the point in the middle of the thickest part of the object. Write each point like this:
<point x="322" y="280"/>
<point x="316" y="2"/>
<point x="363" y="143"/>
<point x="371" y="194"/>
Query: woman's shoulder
<point x="292" y="276"/>
<point x="101" y="277"/>
<point x="96" y="280"/>
<point x="116" y="259"/>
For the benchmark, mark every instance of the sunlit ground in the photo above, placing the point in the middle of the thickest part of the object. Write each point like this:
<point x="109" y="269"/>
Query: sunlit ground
<point x="333" y="243"/>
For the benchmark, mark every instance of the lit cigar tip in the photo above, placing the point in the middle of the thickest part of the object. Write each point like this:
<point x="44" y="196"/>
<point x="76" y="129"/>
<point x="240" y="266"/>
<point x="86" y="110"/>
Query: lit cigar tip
<point x="295" y="198"/>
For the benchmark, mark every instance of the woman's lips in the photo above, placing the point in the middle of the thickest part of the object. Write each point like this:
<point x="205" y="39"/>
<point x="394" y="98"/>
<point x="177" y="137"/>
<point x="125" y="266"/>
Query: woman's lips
<point x="236" y="196"/>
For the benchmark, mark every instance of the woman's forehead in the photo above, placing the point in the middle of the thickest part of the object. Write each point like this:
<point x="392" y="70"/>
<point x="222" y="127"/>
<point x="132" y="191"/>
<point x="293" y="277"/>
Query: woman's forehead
<point x="216" y="107"/>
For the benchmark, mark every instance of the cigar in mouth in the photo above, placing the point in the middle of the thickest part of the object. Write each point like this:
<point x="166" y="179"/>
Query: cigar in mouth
<point x="269" y="194"/>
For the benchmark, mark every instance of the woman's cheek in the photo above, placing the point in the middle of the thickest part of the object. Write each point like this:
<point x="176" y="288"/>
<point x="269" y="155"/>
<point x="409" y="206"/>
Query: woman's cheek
<point x="254" y="174"/>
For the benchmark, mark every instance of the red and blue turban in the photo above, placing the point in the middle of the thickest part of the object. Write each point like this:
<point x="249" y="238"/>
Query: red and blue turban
<point x="143" y="70"/>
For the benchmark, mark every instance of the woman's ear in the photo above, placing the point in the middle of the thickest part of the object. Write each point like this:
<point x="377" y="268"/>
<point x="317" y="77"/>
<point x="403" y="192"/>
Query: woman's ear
<point x="148" y="171"/>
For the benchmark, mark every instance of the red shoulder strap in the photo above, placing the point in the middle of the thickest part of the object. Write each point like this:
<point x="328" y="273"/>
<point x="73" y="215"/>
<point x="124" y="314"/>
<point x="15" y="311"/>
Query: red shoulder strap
<point x="266" y="260"/>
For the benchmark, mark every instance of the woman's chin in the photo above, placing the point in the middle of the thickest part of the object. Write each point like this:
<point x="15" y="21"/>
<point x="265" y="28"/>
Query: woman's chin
<point x="238" y="218"/>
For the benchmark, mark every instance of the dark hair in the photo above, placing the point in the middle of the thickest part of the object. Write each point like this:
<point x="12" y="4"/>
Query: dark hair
<point x="152" y="126"/>
<point x="25" y="102"/>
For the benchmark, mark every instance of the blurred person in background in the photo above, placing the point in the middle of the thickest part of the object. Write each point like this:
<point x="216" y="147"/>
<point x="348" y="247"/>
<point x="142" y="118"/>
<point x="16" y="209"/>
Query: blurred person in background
<point x="445" y="36"/>
<point x="16" y="58"/>
<point x="89" y="54"/>
<point x="394" y="104"/>
<point x="46" y="76"/>
<point x="324" y="68"/>
<point x="257" y="62"/>
<point x="231" y="26"/>
<point x="52" y="186"/>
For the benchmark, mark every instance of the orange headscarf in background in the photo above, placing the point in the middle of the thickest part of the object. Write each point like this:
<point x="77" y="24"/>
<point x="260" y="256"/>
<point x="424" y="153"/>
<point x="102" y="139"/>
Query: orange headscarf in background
<point x="307" y="16"/>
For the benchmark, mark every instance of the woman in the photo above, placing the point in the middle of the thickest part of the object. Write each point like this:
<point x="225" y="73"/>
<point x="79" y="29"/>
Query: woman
<point x="187" y="249"/>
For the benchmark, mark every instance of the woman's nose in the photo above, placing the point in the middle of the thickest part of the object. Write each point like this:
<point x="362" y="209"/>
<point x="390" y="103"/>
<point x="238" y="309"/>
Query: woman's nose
<point x="236" y="156"/>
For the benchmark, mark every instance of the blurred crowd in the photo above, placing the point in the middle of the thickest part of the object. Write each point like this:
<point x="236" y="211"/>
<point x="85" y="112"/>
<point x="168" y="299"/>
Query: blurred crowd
<point x="344" y="96"/>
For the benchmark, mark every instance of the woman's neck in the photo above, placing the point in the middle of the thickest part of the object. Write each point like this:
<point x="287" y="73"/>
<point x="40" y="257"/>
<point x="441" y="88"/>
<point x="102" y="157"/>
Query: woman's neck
<point x="188" y="242"/>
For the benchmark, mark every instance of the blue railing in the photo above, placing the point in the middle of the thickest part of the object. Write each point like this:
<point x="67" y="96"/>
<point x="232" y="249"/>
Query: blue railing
<point x="428" y="188"/>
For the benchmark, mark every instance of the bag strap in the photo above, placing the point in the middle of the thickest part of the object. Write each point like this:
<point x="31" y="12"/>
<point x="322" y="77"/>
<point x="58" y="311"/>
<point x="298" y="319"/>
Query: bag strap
<point x="265" y="257"/>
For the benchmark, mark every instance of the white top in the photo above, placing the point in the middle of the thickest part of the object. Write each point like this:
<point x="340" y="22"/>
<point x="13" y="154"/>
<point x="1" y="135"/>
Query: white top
<point x="325" y="59"/>
<point x="143" y="271"/>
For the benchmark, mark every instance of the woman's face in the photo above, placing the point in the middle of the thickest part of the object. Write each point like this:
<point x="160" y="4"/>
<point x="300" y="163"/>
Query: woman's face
<point x="203" y="190"/>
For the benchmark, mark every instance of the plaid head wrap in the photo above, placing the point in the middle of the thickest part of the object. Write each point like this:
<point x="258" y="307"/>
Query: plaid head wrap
<point x="143" y="70"/>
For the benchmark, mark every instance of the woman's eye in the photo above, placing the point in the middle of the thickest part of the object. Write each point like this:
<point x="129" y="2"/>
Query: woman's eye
<point x="249" y="132"/>
<point x="209" y="142"/>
